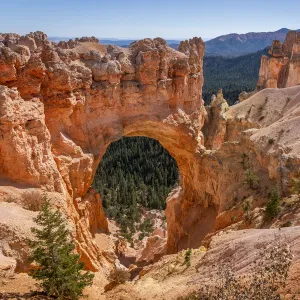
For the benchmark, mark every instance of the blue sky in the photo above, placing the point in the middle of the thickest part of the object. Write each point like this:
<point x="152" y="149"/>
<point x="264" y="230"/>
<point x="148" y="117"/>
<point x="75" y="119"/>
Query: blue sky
<point x="150" y="18"/>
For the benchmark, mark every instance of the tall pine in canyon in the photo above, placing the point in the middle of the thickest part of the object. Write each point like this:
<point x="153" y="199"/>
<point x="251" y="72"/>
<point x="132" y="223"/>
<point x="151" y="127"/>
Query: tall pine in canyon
<point x="58" y="268"/>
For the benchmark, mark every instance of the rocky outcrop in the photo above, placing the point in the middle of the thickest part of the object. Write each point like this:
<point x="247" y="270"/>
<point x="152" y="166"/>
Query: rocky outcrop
<point x="215" y="132"/>
<point x="15" y="224"/>
<point x="282" y="68"/>
<point x="25" y="148"/>
<point x="91" y="210"/>
<point x="62" y="105"/>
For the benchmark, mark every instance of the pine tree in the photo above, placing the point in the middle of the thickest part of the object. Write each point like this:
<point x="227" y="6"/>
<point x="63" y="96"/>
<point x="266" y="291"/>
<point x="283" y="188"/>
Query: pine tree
<point x="58" y="268"/>
<point x="187" y="257"/>
<point x="273" y="205"/>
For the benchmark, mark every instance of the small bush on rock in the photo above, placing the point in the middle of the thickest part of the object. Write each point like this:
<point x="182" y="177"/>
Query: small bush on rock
<point x="187" y="257"/>
<point x="251" y="179"/>
<point x="273" y="205"/>
<point x="146" y="228"/>
<point x="119" y="276"/>
<point x="295" y="189"/>
<point x="246" y="208"/>
<point x="33" y="200"/>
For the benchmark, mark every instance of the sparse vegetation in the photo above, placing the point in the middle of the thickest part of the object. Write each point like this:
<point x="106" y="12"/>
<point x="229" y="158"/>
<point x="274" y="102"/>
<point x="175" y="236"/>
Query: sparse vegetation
<point x="119" y="276"/>
<point x="246" y="207"/>
<point x="33" y="200"/>
<point x="233" y="218"/>
<point x="286" y="224"/>
<point x="273" y="205"/>
<point x="146" y="228"/>
<point x="295" y="185"/>
<point x="57" y="267"/>
<point x="271" y="141"/>
<point x="30" y="199"/>
<point x="187" y="257"/>
<point x="251" y="178"/>
<point x="245" y="161"/>
<point x="267" y="279"/>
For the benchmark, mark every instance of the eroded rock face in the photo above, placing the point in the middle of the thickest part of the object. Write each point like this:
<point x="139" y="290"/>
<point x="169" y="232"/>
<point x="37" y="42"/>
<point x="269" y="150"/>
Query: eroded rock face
<point x="282" y="68"/>
<point x="62" y="105"/>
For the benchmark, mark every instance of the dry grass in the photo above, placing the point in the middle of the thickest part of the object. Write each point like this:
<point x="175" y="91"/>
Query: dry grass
<point x="30" y="199"/>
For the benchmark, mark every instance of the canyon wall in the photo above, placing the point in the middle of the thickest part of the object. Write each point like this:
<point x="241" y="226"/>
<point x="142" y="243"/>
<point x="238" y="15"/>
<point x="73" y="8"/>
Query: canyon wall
<point x="282" y="68"/>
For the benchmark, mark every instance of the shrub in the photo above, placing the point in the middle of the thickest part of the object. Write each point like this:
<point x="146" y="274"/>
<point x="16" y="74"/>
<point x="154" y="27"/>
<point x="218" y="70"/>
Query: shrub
<point x="126" y="233"/>
<point x="146" y="228"/>
<point x="119" y="276"/>
<point x="233" y="218"/>
<point x="33" y="200"/>
<point x="58" y="268"/>
<point x="187" y="257"/>
<point x="273" y="205"/>
<point x="271" y="141"/>
<point x="251" y="178"/>
<point x="295" y="189"/>
<point x="246" y="207"/>
<point x="245" y="161"/>
<point x="286" y="224"/>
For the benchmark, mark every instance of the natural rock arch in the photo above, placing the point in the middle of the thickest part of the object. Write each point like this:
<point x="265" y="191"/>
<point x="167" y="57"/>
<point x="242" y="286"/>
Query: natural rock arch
<point x="71" y="100"/>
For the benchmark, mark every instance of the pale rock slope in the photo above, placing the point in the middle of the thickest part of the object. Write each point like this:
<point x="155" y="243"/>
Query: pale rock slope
<point x="170" y="278"/>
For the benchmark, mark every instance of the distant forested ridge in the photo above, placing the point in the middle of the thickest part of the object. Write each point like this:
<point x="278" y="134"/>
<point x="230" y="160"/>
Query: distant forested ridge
<point x="233" y="75"/>
<point x="234" y="44"/>
<point x="135" y="172"/>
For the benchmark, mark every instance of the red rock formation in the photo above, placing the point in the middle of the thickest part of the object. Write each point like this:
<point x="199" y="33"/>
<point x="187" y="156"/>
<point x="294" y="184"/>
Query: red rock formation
<point x="282" y="68"/>
<point x="62" y="105"/>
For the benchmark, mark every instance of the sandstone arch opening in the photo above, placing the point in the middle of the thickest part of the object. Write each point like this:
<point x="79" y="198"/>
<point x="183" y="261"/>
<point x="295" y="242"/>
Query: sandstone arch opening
<point x="190" y="212"/>
<point x="137" y="168"/>
<point x="134" y="179"/>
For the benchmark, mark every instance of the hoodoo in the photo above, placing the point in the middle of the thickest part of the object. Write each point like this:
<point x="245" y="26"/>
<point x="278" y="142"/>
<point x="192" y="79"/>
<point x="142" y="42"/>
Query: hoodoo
<point x="282" y="68"/>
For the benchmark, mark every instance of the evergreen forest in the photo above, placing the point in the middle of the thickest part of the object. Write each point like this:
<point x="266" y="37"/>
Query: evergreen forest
<point x="135" y="173"/>
<point x="233" y="75"/>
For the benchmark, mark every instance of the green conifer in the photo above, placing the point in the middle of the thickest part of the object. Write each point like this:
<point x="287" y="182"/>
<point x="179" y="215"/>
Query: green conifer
<point x="58" y="268"/>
